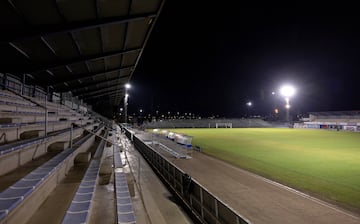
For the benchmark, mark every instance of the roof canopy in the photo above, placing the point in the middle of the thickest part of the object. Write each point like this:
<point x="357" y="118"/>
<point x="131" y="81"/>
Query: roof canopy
<point x="88" y="47"/>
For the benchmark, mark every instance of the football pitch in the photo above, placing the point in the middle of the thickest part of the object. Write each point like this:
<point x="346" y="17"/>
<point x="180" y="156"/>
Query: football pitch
<point x="322" y="163"/>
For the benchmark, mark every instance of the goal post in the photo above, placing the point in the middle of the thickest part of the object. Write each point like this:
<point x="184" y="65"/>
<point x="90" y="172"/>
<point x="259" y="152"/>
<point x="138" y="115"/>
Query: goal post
<point x="223" y="125"/>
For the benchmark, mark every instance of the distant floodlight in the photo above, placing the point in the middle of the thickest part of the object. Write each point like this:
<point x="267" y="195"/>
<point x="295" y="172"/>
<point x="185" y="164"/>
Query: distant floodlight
<point x="287" y="91"/>
<point x="287" y="106"/>
<point x="127" y="86"/>
<point x="249" y="104"/>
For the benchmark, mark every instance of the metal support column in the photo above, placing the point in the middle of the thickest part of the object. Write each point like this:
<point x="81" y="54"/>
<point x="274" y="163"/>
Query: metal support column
<point x="23" y="84"/>
<point x="71" y="136"/>
<point x="202" y="203"/>
<point x="4" y="81"/>
<point x="34" y="90"/>
<point x="46" y="112"/>
<point x="61" y="98"/>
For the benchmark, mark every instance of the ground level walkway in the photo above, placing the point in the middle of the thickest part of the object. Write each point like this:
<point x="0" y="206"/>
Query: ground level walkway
<point x="153" y="204"/>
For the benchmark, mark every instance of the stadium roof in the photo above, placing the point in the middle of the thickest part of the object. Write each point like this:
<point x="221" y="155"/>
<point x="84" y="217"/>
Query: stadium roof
<point x="336" y="113"/>
<point x="88" y="47"/>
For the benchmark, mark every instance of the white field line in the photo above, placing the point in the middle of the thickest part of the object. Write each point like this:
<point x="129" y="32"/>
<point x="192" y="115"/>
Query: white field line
<point x="292" y="190"/>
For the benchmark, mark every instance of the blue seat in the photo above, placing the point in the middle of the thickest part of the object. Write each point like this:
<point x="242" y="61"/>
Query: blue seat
<point x="124" y="206"/>
<point x="126" y="218"/>
<point x="99" y="150"/>
<point x="2" y="214"/>
<point x="19" y="145"/>
<point x="12" y="197"/>
<point x="75" y="218"/>
<point x="11" y="125"/>
<point x="6" y="205"/>
<point x="123" y="200"/>
<point x="82" y="197"/>
<point x="24" y="183"/>
<point x="117" y="160"/>
<point x="15" y="194"/>
<point x="79" y="209"/>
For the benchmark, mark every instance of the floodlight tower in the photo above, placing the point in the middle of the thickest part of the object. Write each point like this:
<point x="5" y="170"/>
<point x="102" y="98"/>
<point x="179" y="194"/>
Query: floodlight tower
<point x="127" y="86"/>
<point x="249" y="104"/>
<point x="287" y="91"/>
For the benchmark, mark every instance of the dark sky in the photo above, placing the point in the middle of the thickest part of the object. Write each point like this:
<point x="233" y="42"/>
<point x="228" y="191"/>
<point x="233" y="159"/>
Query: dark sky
<point x="212" y="59"/>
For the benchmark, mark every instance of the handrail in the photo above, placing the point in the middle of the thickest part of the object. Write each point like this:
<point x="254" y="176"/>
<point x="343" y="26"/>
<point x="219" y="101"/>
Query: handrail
<point x="180" y="183"/>
<point x="24" y="97"/>
<point x="3" y="135"/>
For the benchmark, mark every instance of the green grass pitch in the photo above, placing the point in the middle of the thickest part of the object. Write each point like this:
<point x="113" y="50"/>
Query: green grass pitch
<point x="322" y="163"/>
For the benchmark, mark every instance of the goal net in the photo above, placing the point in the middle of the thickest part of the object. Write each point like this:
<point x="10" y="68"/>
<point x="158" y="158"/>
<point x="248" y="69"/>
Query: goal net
<point x="223" y="125"/>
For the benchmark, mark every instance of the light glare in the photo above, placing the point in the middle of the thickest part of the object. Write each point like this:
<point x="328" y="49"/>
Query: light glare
<point x="127" y="86"/>
<point x="287" y="91"/>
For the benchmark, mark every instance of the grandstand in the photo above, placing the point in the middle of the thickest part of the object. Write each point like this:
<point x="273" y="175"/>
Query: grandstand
<point x="336" y="120"/>
<point x="63" y="70"/>
<point x="60" y="60"/>
<point x="45" y="141"/>
<point x="208" y="123"/>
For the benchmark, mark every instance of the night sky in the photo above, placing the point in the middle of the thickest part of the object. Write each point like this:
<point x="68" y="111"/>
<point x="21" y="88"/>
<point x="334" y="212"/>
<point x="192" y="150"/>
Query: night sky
<point x="212" y="59"/>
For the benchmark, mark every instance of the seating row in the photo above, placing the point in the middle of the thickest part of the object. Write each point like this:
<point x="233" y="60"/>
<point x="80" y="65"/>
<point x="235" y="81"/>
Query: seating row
<point x="124" y="208"/>
<point x="18" y="192"/>
<point x="16" y="154"/>
<point x="16" y="195"/>
<point x="80" y="207"/>
<point x="11" y="103"/>
<point x="25" y="143"/>
<point x="19" y="131"/>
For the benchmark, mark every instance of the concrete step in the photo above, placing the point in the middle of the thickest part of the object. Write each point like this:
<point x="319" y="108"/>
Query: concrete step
<point x="32" y="134"/>
<point x="83" y="157"/>
<point x="58" y="146"/>
<point x="9" y="120"/>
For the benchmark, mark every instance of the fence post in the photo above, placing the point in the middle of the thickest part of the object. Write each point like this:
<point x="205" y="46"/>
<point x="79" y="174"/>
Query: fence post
<point x="71" y="135"/>
<point x="34" y="90"/>
<point x="201" y="203"/>
<point x="216" y="209"/>
<point x="23" y="84"/>
<point x="4" y="81"/>
<point x="46" y="113"/>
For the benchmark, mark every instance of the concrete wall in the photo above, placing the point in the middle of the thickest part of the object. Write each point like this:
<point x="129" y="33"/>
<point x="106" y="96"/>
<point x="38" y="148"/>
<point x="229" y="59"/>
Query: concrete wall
<point x="13" y="160"/>
<point x="29" y="206"/>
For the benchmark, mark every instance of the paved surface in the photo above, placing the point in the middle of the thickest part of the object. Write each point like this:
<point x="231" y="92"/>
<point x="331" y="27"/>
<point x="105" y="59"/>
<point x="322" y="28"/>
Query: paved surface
<point x="53" y="209"/>
<point x="258" y="199"/>
<point x="152" y="202"/>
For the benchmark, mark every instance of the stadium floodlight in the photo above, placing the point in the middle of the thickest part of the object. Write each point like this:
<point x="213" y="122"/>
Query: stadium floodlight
<point x="249" y="104"/>
<point x="127" y="86"/>
<point x="287" y="91"/>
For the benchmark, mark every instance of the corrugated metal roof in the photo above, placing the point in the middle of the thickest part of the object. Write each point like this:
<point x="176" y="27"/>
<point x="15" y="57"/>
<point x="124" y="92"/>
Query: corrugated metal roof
<point x="88" y="47"/>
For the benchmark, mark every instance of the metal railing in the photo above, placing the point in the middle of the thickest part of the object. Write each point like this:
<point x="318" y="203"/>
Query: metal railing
<point x="201" y="202"/>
